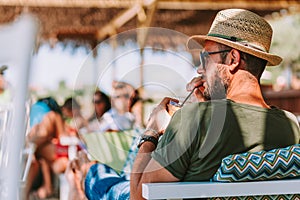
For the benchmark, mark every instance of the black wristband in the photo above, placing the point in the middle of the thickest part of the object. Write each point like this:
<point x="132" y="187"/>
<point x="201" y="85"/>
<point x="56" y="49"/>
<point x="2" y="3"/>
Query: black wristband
<point x="149" y="138"/>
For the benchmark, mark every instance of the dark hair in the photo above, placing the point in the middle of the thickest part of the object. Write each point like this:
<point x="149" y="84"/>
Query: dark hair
<point x="71" y="103"/>
<point x="223" y="54"/>
<point x="104" y="98"/>
<point x="135" y="98"/>
<point x="253" y="64"/>
<point x="52" y="103"/>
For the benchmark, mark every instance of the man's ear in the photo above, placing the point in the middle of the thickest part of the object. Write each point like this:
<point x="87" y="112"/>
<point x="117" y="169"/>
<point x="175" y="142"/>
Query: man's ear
<point x="235" y="59"/>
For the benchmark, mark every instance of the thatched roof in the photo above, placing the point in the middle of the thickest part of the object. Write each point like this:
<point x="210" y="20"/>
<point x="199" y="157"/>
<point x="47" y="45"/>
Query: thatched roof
<point x="87" y="22"/>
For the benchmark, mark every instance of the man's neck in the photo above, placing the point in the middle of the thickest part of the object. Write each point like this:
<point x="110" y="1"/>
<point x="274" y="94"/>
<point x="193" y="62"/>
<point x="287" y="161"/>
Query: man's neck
<point x="244" y="88"/>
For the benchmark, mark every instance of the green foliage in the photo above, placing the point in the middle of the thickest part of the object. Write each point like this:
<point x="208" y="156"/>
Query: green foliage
<point x="286" y="33"/>
<point x="285" y="38"/>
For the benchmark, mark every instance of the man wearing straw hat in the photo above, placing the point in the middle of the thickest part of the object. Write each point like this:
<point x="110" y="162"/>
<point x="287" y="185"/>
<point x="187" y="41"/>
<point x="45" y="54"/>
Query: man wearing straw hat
<point x="230" y="117"/>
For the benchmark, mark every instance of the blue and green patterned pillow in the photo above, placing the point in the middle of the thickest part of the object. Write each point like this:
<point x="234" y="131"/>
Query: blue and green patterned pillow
<point x="263" y="165"/>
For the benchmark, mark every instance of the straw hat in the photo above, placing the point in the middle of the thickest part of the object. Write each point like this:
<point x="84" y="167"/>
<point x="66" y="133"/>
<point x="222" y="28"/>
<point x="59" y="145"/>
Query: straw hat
<point x="242" y="30"/>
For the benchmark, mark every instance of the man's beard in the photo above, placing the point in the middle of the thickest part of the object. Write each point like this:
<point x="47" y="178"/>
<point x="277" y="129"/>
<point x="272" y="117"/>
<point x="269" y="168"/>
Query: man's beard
<point x="218" y="89"/>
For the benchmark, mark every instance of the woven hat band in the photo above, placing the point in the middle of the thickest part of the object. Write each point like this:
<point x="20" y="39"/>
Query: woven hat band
<point x="240" y="41"/>
<point x="246" y="27"/>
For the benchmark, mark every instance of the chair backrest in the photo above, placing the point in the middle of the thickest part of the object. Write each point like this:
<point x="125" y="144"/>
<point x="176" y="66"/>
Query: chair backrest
<point x="110" y="148"/>
<point x="17" y="41"/>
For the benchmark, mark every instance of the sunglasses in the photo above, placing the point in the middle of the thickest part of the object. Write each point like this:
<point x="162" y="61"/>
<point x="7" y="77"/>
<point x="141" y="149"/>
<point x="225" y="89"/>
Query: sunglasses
<point x="126" y="96"/>
<point x="98" y="101"/>
<point x="205" y="54"/>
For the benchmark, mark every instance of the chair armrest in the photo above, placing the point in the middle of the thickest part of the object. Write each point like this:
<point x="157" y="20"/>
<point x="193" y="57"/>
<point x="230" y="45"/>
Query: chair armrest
<point x="29" y="151"/>
<point x="72" y="142"/>
<point x="179" y="190"/>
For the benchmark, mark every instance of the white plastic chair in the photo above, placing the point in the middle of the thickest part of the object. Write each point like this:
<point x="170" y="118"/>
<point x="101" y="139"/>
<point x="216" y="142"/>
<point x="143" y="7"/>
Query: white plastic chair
<point x="71" y="142"/>
<point x="17" y="41"/>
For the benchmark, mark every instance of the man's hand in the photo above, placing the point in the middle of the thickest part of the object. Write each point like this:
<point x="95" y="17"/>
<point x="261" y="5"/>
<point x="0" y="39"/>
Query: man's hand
<point x="73" y="174"/>
<point x="197" y="83"/>
<point x="74" y="177"/>
<point x="160" y="117"/>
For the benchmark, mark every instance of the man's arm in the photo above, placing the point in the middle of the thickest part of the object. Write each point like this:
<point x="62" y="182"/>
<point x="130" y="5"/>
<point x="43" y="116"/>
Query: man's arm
<point x="146" y="169"/>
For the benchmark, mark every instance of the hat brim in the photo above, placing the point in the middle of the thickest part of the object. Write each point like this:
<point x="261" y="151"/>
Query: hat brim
<point x="194" y="41"/>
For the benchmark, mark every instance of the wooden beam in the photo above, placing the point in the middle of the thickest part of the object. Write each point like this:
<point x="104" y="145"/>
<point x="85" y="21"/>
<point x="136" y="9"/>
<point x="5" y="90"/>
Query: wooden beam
<point x="112" y="26"/>
<point x="123" y="18"/>
<point x="144" y="22"/>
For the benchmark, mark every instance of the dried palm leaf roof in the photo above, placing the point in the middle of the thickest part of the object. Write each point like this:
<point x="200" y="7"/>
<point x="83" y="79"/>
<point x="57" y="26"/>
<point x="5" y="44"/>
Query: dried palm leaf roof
<point x="87" y="22"/>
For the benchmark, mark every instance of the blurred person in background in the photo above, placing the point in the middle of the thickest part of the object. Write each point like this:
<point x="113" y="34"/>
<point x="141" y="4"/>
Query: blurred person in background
<point x="72" y="114"/>
<point x="101" y="103"/>
<point x="47" y="126"/>
<point x="119" y="117"/>
<point x="136" y="108"/>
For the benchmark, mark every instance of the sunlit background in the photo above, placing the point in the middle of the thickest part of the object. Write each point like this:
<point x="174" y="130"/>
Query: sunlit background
<point x="69" y="61"/>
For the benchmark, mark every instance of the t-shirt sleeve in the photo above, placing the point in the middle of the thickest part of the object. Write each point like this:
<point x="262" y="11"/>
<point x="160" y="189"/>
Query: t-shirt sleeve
<point x="176" y="145"/>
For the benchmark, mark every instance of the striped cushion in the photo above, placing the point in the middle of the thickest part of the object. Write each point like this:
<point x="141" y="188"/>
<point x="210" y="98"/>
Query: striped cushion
<point x="263" y="197"/>
<point x="264" y="165"/>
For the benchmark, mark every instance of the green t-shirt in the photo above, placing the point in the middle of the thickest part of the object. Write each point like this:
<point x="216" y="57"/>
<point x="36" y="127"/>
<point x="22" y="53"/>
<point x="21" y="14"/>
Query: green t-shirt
<point x="201" y="134"/>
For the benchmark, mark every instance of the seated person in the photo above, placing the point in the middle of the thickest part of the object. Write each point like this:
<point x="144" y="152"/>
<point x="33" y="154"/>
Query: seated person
<point x="47" y="126"/>
<point x="136" y="108"/>
<point x="230" y="117"/>
<point x="72" y="115"/>
<point x="101" y="104"/>
<point x="119" y="117"/>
